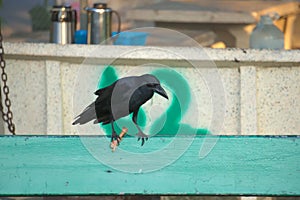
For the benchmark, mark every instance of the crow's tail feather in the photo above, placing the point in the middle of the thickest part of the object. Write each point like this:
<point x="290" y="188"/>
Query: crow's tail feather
<point x="88" y="114"/>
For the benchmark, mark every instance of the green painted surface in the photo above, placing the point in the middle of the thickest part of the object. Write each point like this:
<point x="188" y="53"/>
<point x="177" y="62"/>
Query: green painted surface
<point x="238" y="165"/>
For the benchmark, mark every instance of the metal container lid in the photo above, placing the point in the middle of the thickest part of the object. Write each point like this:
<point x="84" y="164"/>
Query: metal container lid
<point x="100" y="5"/>
<point x="61" y="13"/>
<point x="99" y="8"/>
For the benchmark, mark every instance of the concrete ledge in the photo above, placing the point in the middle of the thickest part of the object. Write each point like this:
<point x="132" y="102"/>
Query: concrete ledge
<point x="128" y="54"/>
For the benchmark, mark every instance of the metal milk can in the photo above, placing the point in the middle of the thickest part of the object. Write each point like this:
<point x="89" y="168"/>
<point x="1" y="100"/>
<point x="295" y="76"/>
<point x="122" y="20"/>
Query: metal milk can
<point x="100" y="23"/>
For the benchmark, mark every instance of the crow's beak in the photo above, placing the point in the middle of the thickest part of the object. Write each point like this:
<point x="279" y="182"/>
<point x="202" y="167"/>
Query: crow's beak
<point x="159" y="90"/>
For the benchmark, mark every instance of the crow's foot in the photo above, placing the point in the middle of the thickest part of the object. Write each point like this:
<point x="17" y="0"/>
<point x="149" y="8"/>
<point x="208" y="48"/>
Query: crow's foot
<point x="142" y="136"/>
<point x="115" y="137"/>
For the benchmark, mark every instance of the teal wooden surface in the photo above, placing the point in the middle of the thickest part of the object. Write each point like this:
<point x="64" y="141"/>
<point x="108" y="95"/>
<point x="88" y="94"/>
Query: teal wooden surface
<point x="237" y="165"/>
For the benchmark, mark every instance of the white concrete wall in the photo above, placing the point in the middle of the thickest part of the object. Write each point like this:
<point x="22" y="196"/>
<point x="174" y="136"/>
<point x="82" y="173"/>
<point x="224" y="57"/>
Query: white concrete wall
<point x="261" y="88"/>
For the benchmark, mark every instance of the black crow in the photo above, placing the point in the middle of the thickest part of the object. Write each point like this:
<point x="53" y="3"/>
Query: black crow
<point x="123" y="97"/>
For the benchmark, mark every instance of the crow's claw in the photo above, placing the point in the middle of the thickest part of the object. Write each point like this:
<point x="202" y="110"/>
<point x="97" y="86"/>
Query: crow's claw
<point x="142" y="136"/>
<point x="115" y="137"/>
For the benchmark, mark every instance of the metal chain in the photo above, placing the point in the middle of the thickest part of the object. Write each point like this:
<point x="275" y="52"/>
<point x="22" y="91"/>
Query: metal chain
<point x="8" y="115"/>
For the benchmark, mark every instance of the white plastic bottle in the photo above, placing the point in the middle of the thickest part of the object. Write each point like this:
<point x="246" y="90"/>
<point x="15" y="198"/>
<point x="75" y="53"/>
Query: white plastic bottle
<point x="266" y="35"/>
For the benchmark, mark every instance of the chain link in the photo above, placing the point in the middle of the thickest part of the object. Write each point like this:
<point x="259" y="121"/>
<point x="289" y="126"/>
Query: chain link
<point x="8" y="115"/>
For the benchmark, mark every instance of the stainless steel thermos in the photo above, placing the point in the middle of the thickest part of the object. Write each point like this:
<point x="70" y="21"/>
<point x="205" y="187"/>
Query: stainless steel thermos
<point x="63" y="24"/>
<point x="100" y="23"/>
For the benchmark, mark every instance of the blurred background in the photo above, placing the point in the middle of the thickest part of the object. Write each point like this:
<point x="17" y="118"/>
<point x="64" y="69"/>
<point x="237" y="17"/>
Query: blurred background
<point x="215" y="23"/>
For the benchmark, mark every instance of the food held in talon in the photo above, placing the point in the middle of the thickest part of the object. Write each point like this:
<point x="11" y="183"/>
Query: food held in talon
<point x="115" y="143"/>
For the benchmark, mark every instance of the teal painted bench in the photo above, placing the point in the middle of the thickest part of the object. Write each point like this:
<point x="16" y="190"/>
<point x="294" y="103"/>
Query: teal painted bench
<point x="72" y="165"/>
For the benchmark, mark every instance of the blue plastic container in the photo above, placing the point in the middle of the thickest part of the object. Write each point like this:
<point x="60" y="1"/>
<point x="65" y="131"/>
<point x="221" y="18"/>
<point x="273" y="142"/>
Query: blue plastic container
<point x="81" y="37"/>
<point x="130" y="38"/>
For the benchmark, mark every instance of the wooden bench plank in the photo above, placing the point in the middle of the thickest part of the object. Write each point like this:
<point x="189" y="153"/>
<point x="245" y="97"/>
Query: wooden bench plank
<point x="72" y="165"/>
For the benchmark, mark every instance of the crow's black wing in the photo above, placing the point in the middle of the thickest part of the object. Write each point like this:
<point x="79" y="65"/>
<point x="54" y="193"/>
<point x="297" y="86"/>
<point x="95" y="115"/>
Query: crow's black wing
<point x="113" y="101"/>
<point x="88" y="114"/>
<point x="103" y="104"/>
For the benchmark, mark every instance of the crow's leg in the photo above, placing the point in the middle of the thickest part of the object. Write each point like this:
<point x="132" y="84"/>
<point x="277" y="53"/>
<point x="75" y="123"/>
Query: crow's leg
<point x="114" y="135"/>
<point x="140" y="134"/>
